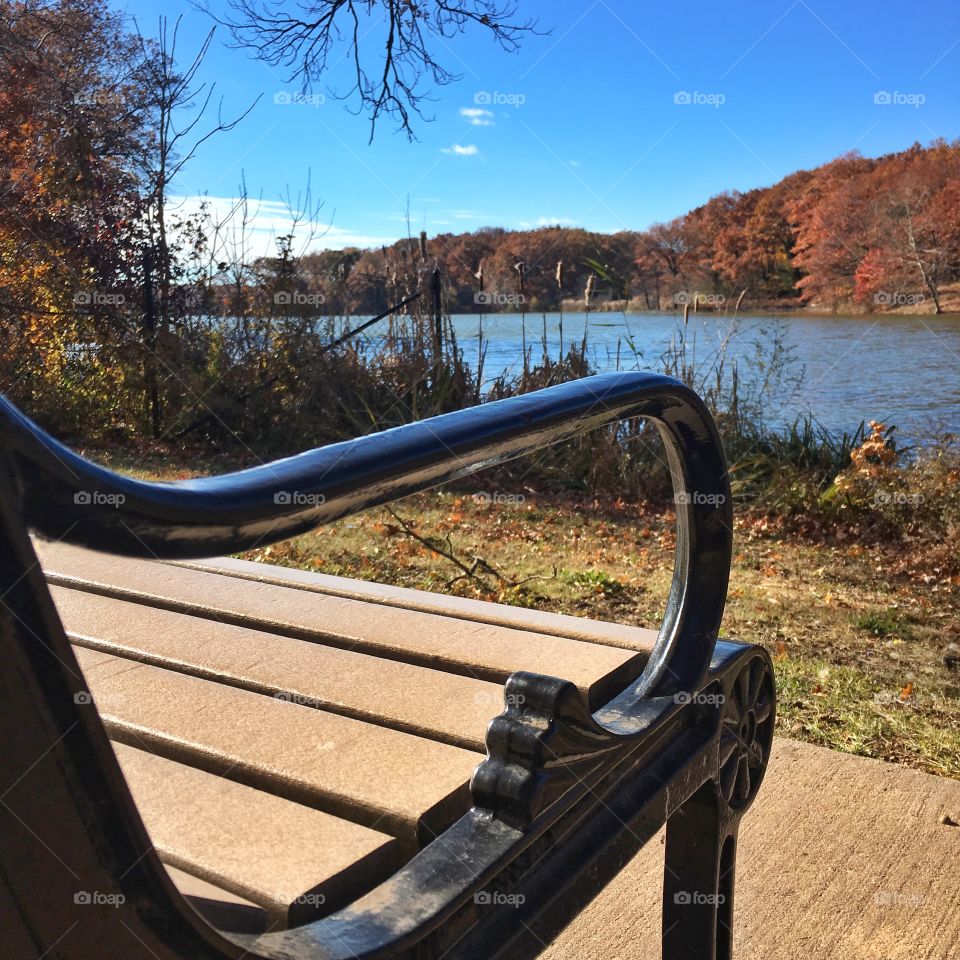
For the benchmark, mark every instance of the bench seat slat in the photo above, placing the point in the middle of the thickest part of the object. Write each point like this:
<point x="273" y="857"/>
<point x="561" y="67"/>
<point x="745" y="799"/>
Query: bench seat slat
<point x="295" y="862"/>
<point x="622" y="635"/>
<point x="467" y="647"/>
<point x="217" y="906"/>
<point x="430" y="703"/>
<point x="404" y="785"/>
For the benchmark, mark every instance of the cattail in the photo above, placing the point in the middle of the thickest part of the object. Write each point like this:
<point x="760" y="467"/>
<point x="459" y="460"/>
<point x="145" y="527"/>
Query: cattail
<point x="560" y="290"/>
<point x="520" y="267"/>
<point x="436" y="288"/>
<point x="588" y="293"/>
<point x="479" y="275"/>
<point x="423" y="244"/>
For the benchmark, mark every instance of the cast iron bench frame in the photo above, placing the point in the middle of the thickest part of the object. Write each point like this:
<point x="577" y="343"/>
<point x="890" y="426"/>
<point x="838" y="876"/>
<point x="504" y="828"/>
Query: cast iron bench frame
<point x="563" y="799"/>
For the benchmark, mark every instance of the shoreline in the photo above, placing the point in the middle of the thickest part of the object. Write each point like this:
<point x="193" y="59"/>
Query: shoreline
<point x="577" y="309"/>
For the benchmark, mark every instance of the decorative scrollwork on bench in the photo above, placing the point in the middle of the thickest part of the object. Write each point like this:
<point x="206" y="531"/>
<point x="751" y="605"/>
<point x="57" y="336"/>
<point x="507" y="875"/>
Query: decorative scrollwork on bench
<point x="543" y="743"/>
<point x="746" y="733"/>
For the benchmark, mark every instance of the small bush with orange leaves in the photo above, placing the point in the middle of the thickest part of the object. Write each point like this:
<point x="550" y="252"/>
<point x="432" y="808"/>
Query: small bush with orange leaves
<point x="916" y="496"/>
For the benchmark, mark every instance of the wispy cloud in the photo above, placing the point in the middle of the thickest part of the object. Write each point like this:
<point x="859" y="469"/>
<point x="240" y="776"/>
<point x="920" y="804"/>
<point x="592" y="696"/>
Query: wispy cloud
<point x="461" y="150"/>
<point x="554" y="221"/>
<point x="477" y="116"/>
<point x="266" y="221"/>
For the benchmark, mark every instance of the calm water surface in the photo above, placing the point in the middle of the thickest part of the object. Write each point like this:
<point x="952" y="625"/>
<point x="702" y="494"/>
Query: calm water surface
<point x="900" y="370"/>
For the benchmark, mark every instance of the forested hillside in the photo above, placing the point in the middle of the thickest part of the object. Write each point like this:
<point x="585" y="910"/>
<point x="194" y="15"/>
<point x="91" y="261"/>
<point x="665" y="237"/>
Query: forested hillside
<point x="857" y="232"/>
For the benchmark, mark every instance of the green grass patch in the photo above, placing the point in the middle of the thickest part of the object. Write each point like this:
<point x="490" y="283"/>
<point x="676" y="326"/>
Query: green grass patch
<point x="846" y="709"/>
<point x="884" y="623"/>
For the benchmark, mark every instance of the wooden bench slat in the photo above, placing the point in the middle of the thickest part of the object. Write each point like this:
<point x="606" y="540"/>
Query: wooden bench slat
<point x="404" y="785"/>
<point x="622" y="635"/>
<point x="430" y="703"/>
<point x="217" y="906"/>
<point x="296" y="862"/>
<point x="482" y="650"/>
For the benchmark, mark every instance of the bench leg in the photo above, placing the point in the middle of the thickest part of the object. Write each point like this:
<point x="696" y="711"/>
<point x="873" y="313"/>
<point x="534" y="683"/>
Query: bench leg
<point x="700" y="857"/>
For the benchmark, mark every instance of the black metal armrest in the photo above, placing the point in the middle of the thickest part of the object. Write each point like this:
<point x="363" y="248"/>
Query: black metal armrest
<point x="563" y="796"/>
<point x="68" y="498"/>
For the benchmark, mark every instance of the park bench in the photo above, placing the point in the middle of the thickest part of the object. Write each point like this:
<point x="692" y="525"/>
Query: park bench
<point x="213" y="758"/>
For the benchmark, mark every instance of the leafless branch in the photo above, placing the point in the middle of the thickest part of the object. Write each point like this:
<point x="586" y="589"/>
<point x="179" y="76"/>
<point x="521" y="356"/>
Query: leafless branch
<point x="302" y="35"/>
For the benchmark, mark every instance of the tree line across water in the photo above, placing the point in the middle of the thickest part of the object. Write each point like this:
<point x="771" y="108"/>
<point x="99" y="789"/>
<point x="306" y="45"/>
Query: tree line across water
<point x="854" y="234"/>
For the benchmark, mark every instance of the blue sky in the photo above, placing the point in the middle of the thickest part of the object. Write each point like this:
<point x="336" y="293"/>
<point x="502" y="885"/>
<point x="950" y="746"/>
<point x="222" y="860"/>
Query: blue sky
<point x="628" y="113"/>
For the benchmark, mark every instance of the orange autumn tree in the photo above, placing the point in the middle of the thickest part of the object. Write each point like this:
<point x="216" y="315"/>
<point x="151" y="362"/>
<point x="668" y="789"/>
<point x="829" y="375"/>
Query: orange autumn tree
<point x="69" y="132"/>
<point x="913" y="232"/>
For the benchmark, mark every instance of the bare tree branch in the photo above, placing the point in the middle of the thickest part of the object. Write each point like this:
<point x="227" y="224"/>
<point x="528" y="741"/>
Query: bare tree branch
<point x="301" y="36"/>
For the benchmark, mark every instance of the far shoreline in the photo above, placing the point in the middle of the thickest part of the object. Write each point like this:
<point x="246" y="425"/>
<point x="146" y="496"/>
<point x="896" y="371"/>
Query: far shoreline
<point x="758" y="312"/>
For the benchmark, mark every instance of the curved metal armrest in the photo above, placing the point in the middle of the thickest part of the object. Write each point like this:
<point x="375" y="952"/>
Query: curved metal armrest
<point x="66" y="497"/>
<point x="559" y="787"/>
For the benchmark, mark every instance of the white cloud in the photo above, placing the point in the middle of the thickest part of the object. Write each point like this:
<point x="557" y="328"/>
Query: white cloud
<point x="477" y="116"/>
<point x="461" y="150"/>
<point x="267" y="220"/>
<point x="545" y="222"/>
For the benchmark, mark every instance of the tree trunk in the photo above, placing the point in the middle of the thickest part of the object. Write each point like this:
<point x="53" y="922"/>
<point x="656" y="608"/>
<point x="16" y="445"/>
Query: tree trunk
<point x="150" y="342"/>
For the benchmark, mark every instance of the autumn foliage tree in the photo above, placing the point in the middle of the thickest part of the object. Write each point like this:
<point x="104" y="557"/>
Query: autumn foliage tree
<point x="69" y="201"/>
<point x="856" y="233"/>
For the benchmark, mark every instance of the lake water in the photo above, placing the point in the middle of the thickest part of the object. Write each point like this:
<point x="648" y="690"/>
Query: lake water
<point x="899" y="370"/>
